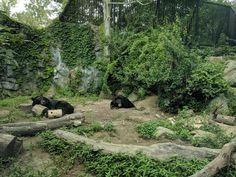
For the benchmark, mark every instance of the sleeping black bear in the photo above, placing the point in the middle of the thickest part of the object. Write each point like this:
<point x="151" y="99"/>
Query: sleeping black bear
<point x="121" y="102"/>
<point x="52" y="104"/>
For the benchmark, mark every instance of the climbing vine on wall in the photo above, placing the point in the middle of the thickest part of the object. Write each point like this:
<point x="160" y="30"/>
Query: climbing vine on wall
<point x="29" y="59"/>
<point x="75" y="41"/>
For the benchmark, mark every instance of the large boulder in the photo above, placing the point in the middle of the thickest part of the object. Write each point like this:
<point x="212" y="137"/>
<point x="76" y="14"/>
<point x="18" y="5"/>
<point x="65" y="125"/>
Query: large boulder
<point x="230" y="72"/>
<point x="221" y="104"/>
<point x="162" y="132"/>
<point x="10" y="146"/>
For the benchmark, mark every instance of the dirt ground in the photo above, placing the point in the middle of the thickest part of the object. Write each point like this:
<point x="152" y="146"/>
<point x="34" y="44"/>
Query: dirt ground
<point x="123" y="120"/>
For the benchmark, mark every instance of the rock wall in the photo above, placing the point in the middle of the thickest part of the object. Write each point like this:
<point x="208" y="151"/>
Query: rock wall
<point x="25" y="60"/>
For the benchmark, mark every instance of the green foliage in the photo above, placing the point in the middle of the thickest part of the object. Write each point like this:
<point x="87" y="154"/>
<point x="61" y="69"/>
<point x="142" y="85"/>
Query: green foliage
<point x="26" y="50"/>
<point x="157" y="61"/>
<point x="119" y="164"/>
<point x="231" y="102"/>
<point x="207" y="81"/>
<point x="183" y="128"/>
<point x="12" y="111"/>
<point x="75" y="41"/>
<point x="220" y="139"/>
<point x="147" y="129"/>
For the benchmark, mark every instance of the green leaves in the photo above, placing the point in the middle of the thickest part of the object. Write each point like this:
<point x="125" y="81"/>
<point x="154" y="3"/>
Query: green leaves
<point x="111" y="165"/>
<point x="207" y="80"/>
<point x="75" y="41"/>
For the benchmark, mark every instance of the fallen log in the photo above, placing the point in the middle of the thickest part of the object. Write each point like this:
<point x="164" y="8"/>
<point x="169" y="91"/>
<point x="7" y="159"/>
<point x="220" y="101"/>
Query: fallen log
<point x="160" y="151"/>
<point x="222" y="160"/>
<point x="10" y="146"/>
<point x="32" y="128"/>
<point x="228" y="120"/>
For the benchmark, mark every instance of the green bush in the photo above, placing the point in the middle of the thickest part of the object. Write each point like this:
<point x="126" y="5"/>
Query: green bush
<point x="156" y="61"/>
<point x="207" y="81"/>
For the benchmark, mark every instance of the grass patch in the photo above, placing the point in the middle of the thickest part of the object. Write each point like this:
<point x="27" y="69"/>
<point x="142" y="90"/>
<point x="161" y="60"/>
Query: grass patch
<point x="12" y="112"/>
<point x="79" y="99"/>
<point x="92" y="128"/>
<point x="183" y="128"/>
<point x="218" y="142"/>
<point x="14" y="102"/>
<point x="110" y="165"/>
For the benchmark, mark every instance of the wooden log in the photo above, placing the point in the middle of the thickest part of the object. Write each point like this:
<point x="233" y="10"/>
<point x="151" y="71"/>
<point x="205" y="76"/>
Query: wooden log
<point x="25" y="107"/>
<point x="10" y="146"/>
<point x="32" y="128"/>
<point x="228" y="120"/>
<point x="222" y="160"/>
<point x="54" y="113"/>
<point x="160" y="151"/>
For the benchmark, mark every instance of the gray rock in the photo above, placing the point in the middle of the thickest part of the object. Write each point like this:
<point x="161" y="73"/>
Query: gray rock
<point x="38" y="109"/>
<point x="25" y="107"/>
<point x="199" y="134"/>
<point x="163" y="132"/>
<point x="133" y="97"/>
<point x="230" y="72"/>
<point x="9" y="85"/>
<point x="61" y="71"/>
<point x="221" y="104"/>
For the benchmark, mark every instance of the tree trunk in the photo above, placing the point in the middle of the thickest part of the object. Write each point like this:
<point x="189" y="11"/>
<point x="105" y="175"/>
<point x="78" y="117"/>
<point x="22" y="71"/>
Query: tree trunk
<point x="32" y="128"/>
<point x="107" y="26"/>
<point x="161" y="151"/>
<point x="197" y="18"/>
<point x="221" y="161"/>
<point x="10" y="146"/>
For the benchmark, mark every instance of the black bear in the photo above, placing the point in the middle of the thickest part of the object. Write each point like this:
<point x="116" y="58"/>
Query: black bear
<point x="66" y="108"/>
<point x="121" y="102"/>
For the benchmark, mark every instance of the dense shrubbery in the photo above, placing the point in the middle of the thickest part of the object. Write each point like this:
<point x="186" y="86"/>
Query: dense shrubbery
<point x="156" y="61"/>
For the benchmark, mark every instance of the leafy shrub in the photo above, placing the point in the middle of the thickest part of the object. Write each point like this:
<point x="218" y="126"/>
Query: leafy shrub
<point x="157" y="61"/>
<point x="207" y="81"/>
<point x="218" y="141"/>
<point x="181" y="128"/>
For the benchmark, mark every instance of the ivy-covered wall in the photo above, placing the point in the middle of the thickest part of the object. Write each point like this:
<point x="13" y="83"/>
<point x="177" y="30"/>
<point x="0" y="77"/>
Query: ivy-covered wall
<point x="26" y="54"/>
<point x="25" y="58"/>
<point x="75" y="41"/>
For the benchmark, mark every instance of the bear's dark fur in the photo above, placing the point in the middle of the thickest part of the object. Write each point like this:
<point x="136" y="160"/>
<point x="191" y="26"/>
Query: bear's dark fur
<point x="66" y="108"/>
<point x="121" y="102"/>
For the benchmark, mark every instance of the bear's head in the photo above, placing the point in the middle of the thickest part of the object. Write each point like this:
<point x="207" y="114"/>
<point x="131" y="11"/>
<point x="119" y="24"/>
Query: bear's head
<point x="116" y="103"/>
<point x="40" y="100"/>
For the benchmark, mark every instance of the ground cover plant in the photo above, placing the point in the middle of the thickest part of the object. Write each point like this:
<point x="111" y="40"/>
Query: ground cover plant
<point x="92" y="128"/>
<point x="183" y="128"/>
<point x="118" y="164"/>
